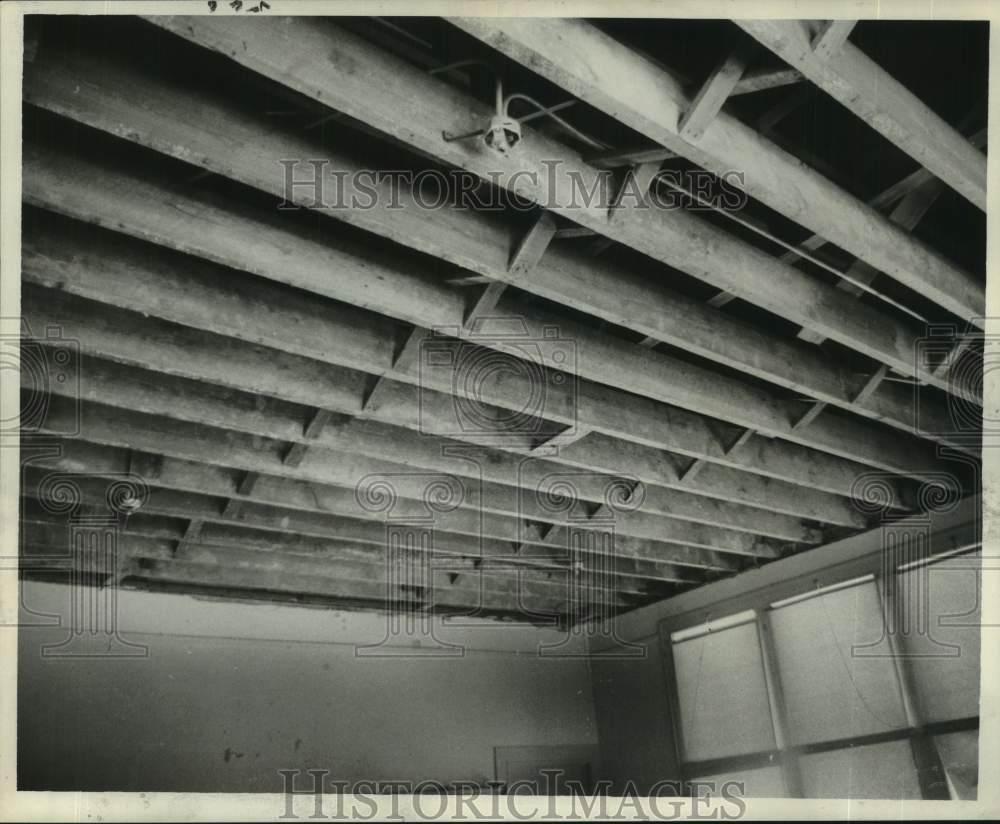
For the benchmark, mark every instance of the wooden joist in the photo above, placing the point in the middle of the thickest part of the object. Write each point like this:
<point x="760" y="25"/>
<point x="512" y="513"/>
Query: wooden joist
<point x="152" y="344"/>
<point x="254" y="243"/>
<point x="761" y="80"/>
<point x="531" y="246"/>
<point x="99" y="278"/>
<point x="195" y="442"/>
<point x="905" y="188"/>
<point x="204" y="565"/>
<point x="907" y="214"/>
<point x="621" y="82"/>
<point x="461" y="237"/>
<point x="272" y="364"/>
<point x="713" y="94"/>
<point x="320" y="511"/>
<point x="161" y="522"/>
<point x="864" y="87"/>
<point x="831" y="36"/>
<point x="198" y="403"/>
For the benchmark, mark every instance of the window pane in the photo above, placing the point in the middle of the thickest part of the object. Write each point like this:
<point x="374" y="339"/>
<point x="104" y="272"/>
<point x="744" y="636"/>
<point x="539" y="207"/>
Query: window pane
<point x="944" y="659"/>
<point x="723" y="698"/>
<point x="763" y="782"/>
<point x="873" y="771"/>
<point x="838" y="677"/>
<point x="960" y="756"/>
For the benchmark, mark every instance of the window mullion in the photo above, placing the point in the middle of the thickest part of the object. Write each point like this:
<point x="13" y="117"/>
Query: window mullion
<point x="926" y="759"/>
<point x="776" y="701"/>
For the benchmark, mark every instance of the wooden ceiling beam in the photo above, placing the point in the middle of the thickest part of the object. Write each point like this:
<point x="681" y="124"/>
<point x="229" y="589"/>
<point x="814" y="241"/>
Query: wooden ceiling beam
<point x="367" y="541"/>
<point x="865" y="88"/>
<point x="253" y="242"/>
<point x="714" y="92"/>
<point x="618" y="80"/>
<point x="341" y="557"/>
<point x="462" y="237"/>
<point x="273" y="326"/>
<point x="160" y="394"/>
<point x="764" y="79"/>
<point x="153" y="344"/>
<point x="155" y="559"/>
<point x="831" y="36"/>
<point x="321" y="511"/>
<point x="473" y="503"/>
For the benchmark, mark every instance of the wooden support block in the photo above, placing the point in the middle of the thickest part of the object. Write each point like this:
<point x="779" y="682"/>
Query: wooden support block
<point x="573" y="232"/>
<point x="769" y="79"/>
<point x="484" y="304"/>
<point x="871" y="384"/>
<point x="565" y="438"/>
<point x="810" y="415"/>
<point x="244" y="487"/>
<point x="406" y="353"/>
<point x="713" y="93"/>
<point x="297" y="451"/>
<point x="404" y="357"/>
<point x="469" y="280"/>
<point x="634" y="187"/>
<point x="741" y="439"/>
<point x="319" y="419"/>
<point x="956" y="352"/>
<point x="629" y="157"/>
<point x="831" y="37"/>
<point x="248" y="483"/>
<point x="191" y="534"/>
<point x="232" y="508"/>
<point x="692" y="469"/>
<point x="532" y="245"/>
<point x="720" y="299"/>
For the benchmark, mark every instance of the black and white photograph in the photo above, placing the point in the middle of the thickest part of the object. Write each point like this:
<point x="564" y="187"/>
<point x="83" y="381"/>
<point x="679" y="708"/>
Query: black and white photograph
<point x="481" y="411"/>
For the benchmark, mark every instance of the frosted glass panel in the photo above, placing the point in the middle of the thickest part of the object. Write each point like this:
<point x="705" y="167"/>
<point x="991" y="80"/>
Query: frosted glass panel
<point x="874" y="771"/>
<point x="723" y="698"/>
<point x="764" y="782"/>
<point x="839" y="680"/>
<point x="960" y="756"/>
<point x="944" y="658"/>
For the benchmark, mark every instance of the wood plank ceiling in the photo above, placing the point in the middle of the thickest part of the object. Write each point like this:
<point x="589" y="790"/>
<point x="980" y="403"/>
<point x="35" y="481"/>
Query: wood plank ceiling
<point x="707" y="391"/>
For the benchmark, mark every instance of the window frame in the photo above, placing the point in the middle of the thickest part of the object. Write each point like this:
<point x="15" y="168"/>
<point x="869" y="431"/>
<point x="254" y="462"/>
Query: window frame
<point x="921" y="735"/>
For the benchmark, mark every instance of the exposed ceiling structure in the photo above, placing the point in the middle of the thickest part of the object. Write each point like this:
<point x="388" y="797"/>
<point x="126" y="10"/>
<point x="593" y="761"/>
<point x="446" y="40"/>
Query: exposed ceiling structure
<point x="297" y="384"/>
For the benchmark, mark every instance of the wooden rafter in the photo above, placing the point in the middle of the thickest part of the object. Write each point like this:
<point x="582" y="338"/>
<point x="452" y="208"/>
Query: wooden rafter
<point x="860" y="84"/>
<point x="122" y="337"/>
<point x="615" y="79"/>
<point x="367" y="342"/>
<point x="251" y="367"/>
<point x="134" y="202"/>
<point x="654" y="312"/>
